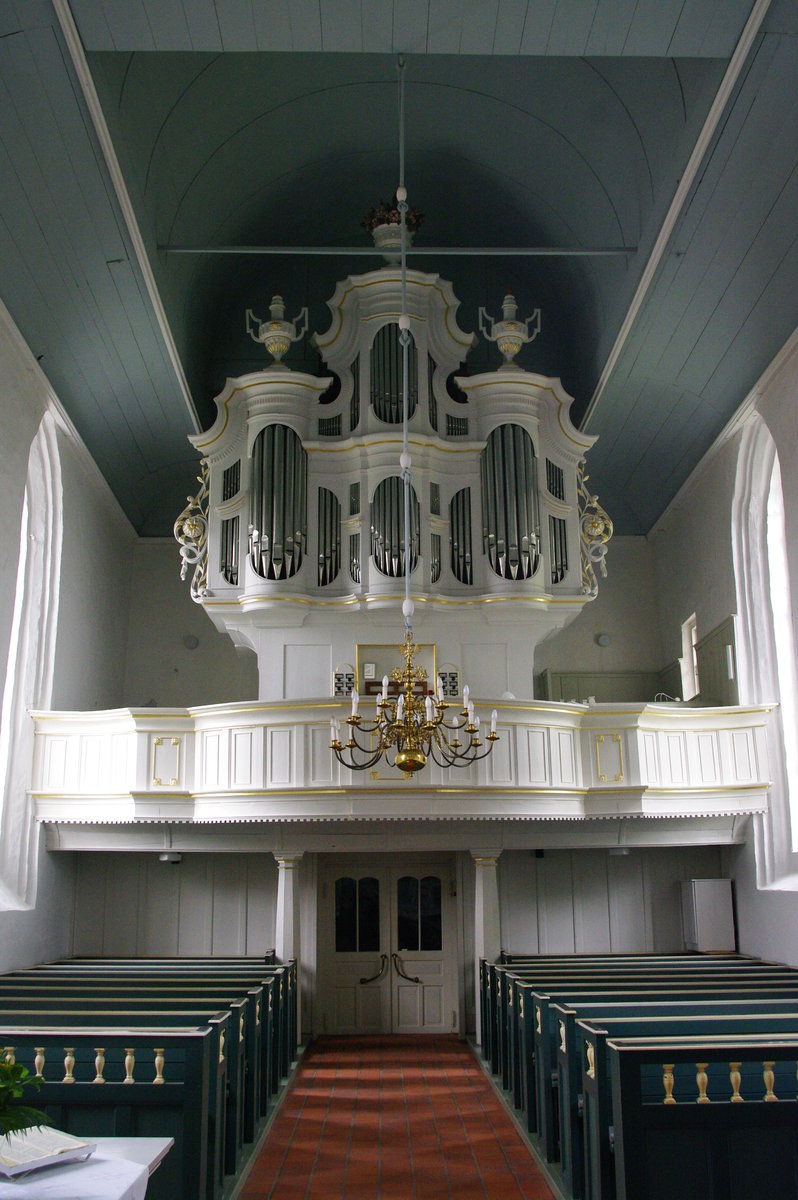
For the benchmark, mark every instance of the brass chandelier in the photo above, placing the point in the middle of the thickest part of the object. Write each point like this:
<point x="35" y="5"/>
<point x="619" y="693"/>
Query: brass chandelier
<point x="412" y="728"/>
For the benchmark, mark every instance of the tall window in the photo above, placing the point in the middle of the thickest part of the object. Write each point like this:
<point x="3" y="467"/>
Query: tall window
<point x="781" y="611"/>
<point x="691" y="685"/>
<point x="31" y="653"/>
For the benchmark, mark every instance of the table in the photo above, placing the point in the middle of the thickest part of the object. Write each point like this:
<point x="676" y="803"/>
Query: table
<point x="96" y="1178"/>
<point x="118" y="1170"/>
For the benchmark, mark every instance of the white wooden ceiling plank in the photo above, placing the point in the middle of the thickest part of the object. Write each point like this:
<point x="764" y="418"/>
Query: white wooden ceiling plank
<point x="57" y="136"/>
<point x="236" y="24"/>
<point x="168" y="23"/>
<point x="272" y="25"/>
<point x="652" y="27"/>
<point x="127" y="21"/>
<point x="726" y="26"/>
<point x="478" y="31"/>
<point x="203" y="24"/>
<point x="341" y="25"/>
<point x="410" y="18"/>
<point x="136" y="335"/>
<point x="691" y="28"/>
<point x="92" y="25"/>
<point x="757" y="267"/>
<point x="33" y="13"/>
<point x="509" y="26"/>
<point x="571" y="27"/>
<point x="610" y="27"/>
<point x="305" y="24"/>
<point x="75" y="373"/>
<point x="377" y="24"/>
<point x="446" y="21"/>
<point x="749" y="352"/>
<point x="537" y="27"/>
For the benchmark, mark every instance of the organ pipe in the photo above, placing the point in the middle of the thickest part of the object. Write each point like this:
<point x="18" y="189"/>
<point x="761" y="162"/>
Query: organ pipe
<point x="387" y="527"/>
<point x="460" y="526"/>
<point x="278" y="503"/>
<point x="329" y="536"/>
<point x="510" y="522"/>
<point x="386" y="375"/>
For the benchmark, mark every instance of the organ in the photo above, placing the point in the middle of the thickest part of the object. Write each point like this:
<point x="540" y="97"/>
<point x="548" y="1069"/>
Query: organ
<point x="299" y="521"/>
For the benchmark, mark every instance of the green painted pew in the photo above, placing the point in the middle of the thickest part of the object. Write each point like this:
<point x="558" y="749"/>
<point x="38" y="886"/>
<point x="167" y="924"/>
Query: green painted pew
<point x="588" y="1170"/>
<point x="712" y="1151"/>
<point x="679" y="965"/>
<point x="132" y="1101"/>
<point x="45" y="1014"/>
<point x="242" y="1046"/>
<point x="257" y="1039"/>
<point x="506" y="999"/>
<point x="280" y="1002"/>
<point x="537" y="1029"/>
<point x="284" y="1024"/>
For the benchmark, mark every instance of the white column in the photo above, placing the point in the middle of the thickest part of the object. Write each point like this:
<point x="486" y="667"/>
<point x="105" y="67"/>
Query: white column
<point x="487" y="928"/>
<point x="287" y="940"/>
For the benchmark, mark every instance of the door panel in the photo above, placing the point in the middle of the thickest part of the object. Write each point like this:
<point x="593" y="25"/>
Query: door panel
<point x="387" y="947"/>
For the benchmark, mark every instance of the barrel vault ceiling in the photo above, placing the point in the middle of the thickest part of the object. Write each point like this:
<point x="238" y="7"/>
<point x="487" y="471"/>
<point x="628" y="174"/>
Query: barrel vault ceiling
<point x="665" y="130"/>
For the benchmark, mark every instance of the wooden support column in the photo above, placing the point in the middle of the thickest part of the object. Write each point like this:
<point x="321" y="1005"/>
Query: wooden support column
<point x="287" y="939"/>
<point x="487" y="927"/>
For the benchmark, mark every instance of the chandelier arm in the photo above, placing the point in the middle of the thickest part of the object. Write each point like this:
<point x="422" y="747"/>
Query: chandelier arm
<point x="363" y="747"/>
<point x="353" y="764"/>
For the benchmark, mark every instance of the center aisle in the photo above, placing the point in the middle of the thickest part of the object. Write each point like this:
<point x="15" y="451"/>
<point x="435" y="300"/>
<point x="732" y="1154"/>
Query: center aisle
<point x="393" y="1118"/>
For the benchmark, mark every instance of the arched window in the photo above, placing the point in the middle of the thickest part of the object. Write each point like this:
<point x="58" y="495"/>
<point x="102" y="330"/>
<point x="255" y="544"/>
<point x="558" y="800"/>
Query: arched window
<point x="31" y="656"/>
<point x="766" y="667"/>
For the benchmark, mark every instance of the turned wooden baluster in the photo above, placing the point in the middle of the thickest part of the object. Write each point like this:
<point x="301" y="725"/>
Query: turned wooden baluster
<point x="38" y="1062"/>
<point x="130" y="1062"/>
<point x="769" y="1079"/>
<point x="159" y="1066"/>
<point x="10" y="1055"/>
<point x="701" y="1080"/>
<point x="667" y="1082"/>
<point x="99" y="1064"/>
<point x="735" y="1077"/>
<point x="69" y="1064"/>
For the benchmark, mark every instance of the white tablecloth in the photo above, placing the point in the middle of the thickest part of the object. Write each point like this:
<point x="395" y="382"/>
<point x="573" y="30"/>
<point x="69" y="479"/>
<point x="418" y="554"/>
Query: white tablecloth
<point x="98" y="1178"/>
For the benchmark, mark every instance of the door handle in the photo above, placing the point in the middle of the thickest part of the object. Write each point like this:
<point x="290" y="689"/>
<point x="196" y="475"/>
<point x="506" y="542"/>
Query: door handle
<point x="380" y="973"/>
<point x="397" y="962"/>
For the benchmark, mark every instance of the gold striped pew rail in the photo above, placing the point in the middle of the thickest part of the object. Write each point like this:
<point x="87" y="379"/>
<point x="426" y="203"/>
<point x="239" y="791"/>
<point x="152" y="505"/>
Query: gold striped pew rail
<point x="730" y="1104"/>
<point x="103" y="1081"/>
<point x="530" y="1033"/>
<point x="246" y="1004"/>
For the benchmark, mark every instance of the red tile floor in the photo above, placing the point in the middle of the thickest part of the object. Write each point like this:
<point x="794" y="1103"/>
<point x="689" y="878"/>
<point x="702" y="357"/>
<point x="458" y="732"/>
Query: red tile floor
<point x="393" y="1118"/>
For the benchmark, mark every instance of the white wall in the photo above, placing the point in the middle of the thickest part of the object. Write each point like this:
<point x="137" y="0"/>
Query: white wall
<point x="96" y="563"/>
<point x="92" y="613"/>
<point x="692" y="554"/>
<point x="625" y="608"/>
<point x="589" y="900"/>
<point x="692" y="548"/>
<point x="160" y="670"/>
<point x="132" y="904"/>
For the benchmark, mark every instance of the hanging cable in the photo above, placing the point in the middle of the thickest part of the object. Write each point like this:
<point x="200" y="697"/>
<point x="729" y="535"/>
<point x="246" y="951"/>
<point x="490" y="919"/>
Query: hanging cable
<point x="404" y="338"/>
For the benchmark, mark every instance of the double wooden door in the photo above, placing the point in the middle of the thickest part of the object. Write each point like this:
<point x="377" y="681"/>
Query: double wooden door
<point x="387" y="947"/>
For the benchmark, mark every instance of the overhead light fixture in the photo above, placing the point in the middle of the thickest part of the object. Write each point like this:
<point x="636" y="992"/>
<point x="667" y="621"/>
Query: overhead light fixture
<point x="411" y="728"/>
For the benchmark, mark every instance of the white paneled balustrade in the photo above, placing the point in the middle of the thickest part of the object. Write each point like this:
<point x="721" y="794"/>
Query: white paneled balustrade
<point x="265" y="762"/>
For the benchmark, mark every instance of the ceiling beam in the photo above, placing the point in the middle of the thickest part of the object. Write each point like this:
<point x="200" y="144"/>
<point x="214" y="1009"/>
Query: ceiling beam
<point x="426" y="251"/>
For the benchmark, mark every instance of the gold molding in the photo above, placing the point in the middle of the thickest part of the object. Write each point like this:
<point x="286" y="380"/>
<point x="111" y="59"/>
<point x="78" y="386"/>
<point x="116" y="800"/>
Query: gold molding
<point x="614" y="737"/>
<point x="159" y="741"/>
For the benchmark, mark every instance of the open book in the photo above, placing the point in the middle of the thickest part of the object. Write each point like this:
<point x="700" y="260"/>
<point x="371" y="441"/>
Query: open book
<point x="41" y="1147"/>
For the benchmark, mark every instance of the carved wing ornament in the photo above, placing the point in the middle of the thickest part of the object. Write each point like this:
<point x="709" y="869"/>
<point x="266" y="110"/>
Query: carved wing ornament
<point x="595" y="531"/>
<point x="191" y="533"/>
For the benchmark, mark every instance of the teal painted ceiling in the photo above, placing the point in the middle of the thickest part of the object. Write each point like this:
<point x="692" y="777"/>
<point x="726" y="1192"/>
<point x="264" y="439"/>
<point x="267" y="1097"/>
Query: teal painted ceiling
<point x="567" y="123"/>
